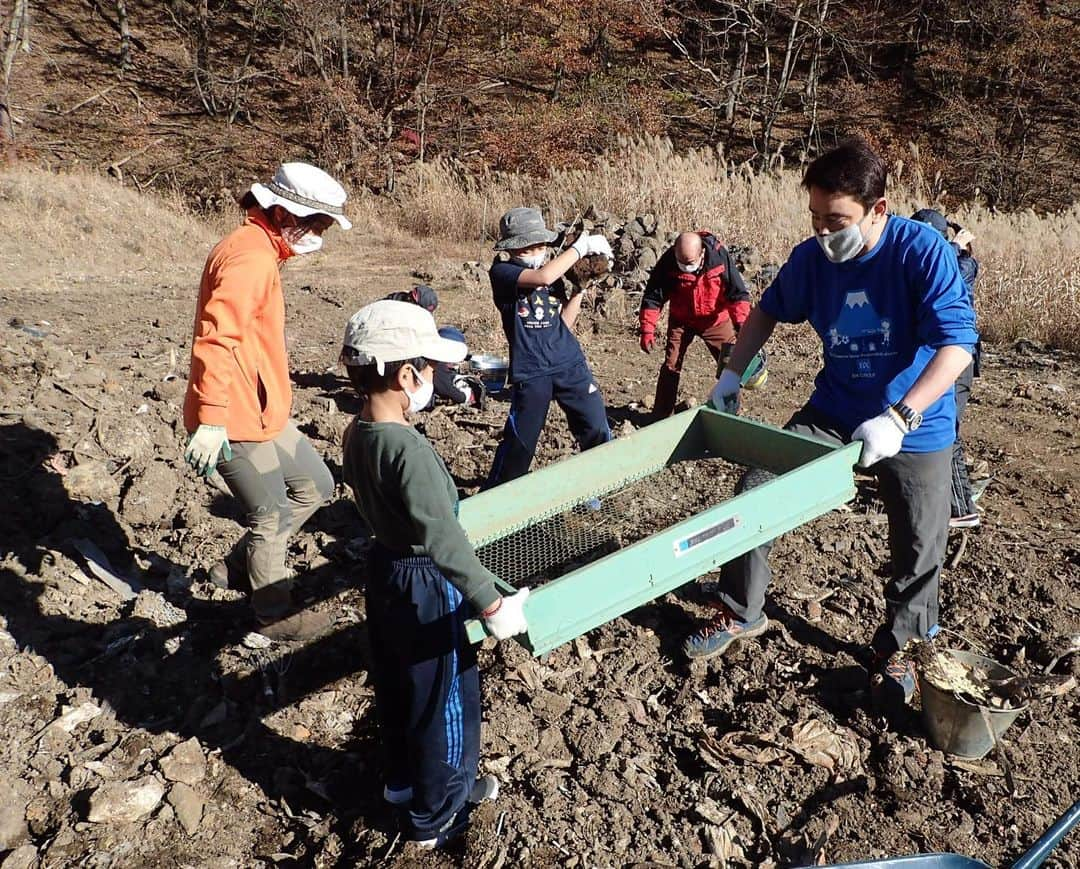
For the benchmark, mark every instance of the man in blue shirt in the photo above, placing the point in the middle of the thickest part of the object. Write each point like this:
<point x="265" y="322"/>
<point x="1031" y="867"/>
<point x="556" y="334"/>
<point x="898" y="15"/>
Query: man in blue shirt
<point x="885" y="295"/>
<point x="546" y="362"/>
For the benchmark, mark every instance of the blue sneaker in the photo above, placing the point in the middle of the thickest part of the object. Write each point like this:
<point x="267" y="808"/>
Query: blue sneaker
<point x="725" y="628"/>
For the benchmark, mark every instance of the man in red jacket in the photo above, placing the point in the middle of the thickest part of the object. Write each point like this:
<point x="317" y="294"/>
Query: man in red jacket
<point x="709" y="300"/>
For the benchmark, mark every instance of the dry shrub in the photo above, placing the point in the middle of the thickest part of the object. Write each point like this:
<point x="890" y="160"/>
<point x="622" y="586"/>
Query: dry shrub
<point x="1029" y="284"/>
<point x="56" y="229"/>
<point x="60" y="229"/>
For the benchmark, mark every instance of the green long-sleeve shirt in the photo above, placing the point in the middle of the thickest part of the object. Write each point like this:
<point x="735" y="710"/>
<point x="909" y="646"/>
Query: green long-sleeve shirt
<point x="407" y="496"/>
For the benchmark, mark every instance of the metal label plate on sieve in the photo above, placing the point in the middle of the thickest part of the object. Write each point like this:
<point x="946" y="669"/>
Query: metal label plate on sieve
<point x="688" y="544"/>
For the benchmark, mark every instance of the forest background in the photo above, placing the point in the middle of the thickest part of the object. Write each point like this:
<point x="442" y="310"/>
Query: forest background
<point x="199" y="96"/>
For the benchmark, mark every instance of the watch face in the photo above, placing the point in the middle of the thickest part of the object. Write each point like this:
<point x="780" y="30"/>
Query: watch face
<point x="915" y="422"/>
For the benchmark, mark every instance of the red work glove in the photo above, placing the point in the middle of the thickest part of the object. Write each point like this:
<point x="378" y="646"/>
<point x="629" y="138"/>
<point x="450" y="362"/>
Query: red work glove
<point x="647" y="319"/>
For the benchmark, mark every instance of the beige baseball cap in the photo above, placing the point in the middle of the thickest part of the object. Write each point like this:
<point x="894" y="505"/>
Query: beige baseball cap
<point x="389" y="331"/>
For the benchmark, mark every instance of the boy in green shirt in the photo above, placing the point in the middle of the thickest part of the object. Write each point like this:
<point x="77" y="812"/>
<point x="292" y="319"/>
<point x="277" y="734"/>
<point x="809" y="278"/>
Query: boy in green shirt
<point x="425" y="578"/>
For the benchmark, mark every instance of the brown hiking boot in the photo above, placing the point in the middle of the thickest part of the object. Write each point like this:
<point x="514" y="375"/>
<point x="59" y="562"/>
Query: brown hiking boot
<point x="271" y="605"/>
<point x="299" y="627"/>
<point x="222" y="577"/>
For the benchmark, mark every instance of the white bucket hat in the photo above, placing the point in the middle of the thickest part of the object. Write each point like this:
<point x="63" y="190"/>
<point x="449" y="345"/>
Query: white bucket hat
<point x="303" y="190"/>
<point x="389" y="331"/>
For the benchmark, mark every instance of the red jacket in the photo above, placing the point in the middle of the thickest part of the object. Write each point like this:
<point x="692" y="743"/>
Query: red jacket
<point x="700" y="299"/>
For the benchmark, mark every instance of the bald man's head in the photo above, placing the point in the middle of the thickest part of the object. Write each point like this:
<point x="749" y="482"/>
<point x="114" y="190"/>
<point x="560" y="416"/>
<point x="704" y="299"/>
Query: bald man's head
<point x="689" y="250"/>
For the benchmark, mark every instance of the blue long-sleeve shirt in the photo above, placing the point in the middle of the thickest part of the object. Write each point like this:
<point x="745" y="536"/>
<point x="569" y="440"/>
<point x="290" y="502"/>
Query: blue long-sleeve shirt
<point x="881" y="317"/>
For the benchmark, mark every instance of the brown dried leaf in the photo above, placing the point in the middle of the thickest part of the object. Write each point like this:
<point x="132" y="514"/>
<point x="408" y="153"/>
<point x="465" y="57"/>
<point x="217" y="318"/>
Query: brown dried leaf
<point x="751" y="747"/>
<point x="637" y="710"/>
<point x="720" y="842"/>
<point x="529" y="673"/>
<point x="711" y="813"/>
<point x="815" y="743"/>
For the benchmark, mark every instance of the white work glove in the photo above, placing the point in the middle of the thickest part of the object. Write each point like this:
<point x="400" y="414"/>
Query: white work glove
<point x="205" y="446"/>
<point x="881" y="436"/>
<point x="587" y="245"/>
<point x="462" y="385"/>
<point x="509" y="619"/>
<point x="963" y="238"/>
<point x="581" y="245"/>
<point x="600" y="246"/>
<point x="725" y="395"/>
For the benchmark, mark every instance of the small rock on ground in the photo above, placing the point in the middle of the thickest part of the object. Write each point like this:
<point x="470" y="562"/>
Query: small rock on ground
<point x="188" y="806"/>
<point x="185" y="763"/>
<point x="24" y="857"/>
<point x="124" y="802"/>
<point x="12" y="817"/>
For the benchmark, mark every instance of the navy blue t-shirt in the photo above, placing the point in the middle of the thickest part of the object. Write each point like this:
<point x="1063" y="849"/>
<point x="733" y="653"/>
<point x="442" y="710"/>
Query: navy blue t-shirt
<point x="540" y="342"/>
<point x="880" y="317"/>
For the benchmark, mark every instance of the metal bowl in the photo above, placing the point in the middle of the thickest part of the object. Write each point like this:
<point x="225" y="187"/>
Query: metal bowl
<point x="492" y="370"/>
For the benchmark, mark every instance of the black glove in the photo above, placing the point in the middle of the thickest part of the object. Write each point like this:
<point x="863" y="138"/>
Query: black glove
<point x="479" y="391"/>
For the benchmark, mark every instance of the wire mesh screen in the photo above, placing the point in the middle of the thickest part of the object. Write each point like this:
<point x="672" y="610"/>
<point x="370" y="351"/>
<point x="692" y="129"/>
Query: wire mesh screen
<point x="599" y="525"/>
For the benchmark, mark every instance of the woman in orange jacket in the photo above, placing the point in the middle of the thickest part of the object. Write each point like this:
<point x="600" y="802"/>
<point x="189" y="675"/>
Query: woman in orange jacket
<point x="239" y="398"/>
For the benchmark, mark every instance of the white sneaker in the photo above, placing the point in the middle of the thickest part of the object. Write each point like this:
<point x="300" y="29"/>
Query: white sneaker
<point x="484" y="789"/>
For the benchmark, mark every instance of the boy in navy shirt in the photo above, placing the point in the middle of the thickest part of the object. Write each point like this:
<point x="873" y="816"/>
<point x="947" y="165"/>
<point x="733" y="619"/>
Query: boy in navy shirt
<point x="546" y="362"/>
<point x="886" y="297"/>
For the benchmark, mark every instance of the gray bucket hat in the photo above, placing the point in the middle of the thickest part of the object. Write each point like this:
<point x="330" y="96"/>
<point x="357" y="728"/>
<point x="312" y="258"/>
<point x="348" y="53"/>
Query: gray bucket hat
<point x="523" y="227"/>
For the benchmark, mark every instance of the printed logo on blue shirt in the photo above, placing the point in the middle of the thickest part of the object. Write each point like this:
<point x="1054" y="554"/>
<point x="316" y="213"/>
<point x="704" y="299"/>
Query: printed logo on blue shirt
<point x="860" y="331"/>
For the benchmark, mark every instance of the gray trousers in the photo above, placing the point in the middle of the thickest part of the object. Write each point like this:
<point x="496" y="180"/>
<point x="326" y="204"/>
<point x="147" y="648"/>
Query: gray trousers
<point x="962" y="504"/>
<point x="915" y="490"/>
<point x="280" y="483"/>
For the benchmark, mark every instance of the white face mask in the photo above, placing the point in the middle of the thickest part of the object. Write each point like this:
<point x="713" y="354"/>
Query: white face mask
<point x="422" y="397"/>
<point x="844" y="245"/>
<point x="300" y="240"/>
<point x="688" y="268"/>
<point x="533" y="260"/>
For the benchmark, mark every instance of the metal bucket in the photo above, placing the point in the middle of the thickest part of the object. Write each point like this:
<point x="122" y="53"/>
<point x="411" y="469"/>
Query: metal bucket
<point x="492" y="370"/>
<point x="961" y="728"/>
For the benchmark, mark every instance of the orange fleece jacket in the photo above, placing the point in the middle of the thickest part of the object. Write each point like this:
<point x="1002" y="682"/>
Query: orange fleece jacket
<point x="239" y="375"/>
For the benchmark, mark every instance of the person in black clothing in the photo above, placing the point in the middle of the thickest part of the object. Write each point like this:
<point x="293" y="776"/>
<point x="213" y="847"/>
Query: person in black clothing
<point x="963" y="513"/>
<point x="421" y="295"/>
<point x="451" y="384"/>
<point x="454" y="385"/>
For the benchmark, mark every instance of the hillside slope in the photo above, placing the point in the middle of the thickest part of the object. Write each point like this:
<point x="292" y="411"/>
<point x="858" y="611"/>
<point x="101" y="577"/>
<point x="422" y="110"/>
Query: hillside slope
<point x="199" y="97"/>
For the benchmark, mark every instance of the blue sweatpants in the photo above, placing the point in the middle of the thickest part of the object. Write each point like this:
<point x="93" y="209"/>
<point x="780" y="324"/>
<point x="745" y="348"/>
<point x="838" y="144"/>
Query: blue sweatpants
<point x="575" y="391"/>
<point x="427" y="689"/>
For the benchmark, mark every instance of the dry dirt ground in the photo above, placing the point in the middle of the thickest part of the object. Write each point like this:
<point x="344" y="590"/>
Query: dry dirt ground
<point x="146" y="733"/>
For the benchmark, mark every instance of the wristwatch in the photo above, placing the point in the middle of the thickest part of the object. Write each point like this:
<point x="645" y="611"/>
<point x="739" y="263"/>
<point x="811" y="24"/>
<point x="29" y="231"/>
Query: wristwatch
<point x="912" y="419"/>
